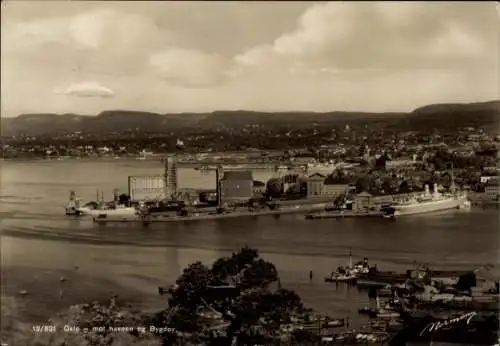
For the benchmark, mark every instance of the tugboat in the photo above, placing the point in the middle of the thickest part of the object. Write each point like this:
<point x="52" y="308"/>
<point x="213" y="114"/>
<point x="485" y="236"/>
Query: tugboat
<point x="350" y="273"/>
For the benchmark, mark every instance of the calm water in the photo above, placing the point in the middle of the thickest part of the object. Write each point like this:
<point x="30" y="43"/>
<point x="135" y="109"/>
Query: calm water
<point x="36" y="234"/>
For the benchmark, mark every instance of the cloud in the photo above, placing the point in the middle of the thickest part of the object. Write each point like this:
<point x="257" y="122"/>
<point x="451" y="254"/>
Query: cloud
<point x="350" y="35"/>
<point x="87" y="89"/>
<point x="193" y="57"/>
<point x="107" y="41"/>
<point x="189" y="68"/>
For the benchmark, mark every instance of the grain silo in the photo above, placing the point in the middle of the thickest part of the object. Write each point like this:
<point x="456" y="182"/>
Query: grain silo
<point x="170" y="176"/>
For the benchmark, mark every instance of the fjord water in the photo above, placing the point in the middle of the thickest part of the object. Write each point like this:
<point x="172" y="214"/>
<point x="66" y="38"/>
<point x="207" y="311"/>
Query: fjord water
<point x="36" y="234"/>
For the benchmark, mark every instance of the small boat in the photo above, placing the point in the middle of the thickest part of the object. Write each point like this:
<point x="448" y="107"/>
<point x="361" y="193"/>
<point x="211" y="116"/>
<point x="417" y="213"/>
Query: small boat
<point x="335" y="323"/>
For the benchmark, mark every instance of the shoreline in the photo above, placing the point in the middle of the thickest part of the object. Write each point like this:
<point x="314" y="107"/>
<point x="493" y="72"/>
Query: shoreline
<point x="39" y="294"/>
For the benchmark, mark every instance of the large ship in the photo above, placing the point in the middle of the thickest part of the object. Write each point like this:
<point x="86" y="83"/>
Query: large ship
<point x="429" y="202"/>
<point x="76" y="207"/>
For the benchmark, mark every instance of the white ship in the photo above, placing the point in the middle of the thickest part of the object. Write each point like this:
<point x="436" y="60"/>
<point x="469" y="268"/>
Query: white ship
<point x="431" y="202"/>
<point x="76" y="207"/>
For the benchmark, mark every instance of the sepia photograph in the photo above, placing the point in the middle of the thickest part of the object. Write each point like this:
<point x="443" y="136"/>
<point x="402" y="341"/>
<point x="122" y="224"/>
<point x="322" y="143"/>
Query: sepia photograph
<point x="250" y="173"/>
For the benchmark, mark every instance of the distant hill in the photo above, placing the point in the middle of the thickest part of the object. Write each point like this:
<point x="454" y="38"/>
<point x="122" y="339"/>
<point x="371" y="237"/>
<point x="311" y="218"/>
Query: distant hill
<point x="441" y="116"/>
<point x="486" y="114"/>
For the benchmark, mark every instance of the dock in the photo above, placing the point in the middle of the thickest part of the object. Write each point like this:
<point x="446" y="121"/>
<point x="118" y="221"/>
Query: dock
<point x="297" y="209"/>
<point x="341" y="214"/>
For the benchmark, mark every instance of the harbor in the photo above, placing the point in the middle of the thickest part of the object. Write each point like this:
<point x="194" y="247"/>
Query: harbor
<point x="294" y="244"/>
<point x="157" y="198"/>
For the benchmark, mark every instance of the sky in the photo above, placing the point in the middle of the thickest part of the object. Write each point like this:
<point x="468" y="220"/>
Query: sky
<point x="86" y="57"/>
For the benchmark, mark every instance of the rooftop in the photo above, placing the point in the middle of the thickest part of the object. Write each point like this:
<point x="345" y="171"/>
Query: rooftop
<point x="237" y="175"/>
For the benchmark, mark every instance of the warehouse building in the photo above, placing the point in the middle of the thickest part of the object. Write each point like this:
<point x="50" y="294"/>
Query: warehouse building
<point x="236" y="187"/>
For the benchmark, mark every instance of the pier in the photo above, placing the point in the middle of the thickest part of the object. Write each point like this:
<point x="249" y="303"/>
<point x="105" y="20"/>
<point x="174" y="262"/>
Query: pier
<point x="294" y="209"/>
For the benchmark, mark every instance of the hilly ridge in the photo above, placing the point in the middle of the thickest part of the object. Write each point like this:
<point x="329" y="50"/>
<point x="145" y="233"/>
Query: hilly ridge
<point x="440" y="116"/>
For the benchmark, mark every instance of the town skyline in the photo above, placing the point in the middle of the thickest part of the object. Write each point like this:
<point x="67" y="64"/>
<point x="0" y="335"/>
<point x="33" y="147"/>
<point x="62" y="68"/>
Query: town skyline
<point x="73" y="57"/>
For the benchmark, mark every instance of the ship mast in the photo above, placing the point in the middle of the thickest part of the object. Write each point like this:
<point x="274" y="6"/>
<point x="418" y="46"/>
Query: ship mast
<point x="350" y="257"/>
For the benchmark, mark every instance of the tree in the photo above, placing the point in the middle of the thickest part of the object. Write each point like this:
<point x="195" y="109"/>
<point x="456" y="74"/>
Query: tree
<point x="192" y="286"/>
<point x="259" y="273"/>
<point x="305" y="337"/>
<point x="404" y="187"/>
<point x="446" y="180"/>
<point x="380" y="162"/>
<point x="274" y="187"/>
<point x="389" y="185"/>
<point x="362" y="184"/>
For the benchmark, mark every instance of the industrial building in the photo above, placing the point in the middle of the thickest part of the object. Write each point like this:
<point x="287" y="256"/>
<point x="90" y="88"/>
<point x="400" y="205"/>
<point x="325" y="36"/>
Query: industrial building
<point x="236" y="187"/>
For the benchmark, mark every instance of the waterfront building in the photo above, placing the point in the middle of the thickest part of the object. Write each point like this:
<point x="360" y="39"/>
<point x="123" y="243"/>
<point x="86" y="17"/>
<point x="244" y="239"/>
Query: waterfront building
<point x="363" y="201"/>
<point x="334" y="189"/>
<point x="236" y="187"/>
<point x="315" y="185"/>
<point x="319" y="185"/>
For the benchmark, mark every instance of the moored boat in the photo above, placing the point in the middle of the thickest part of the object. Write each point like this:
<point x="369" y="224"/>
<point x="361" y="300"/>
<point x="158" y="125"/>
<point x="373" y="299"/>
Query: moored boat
<point x="349" y="273"/>
<point x="429" y="202"/>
